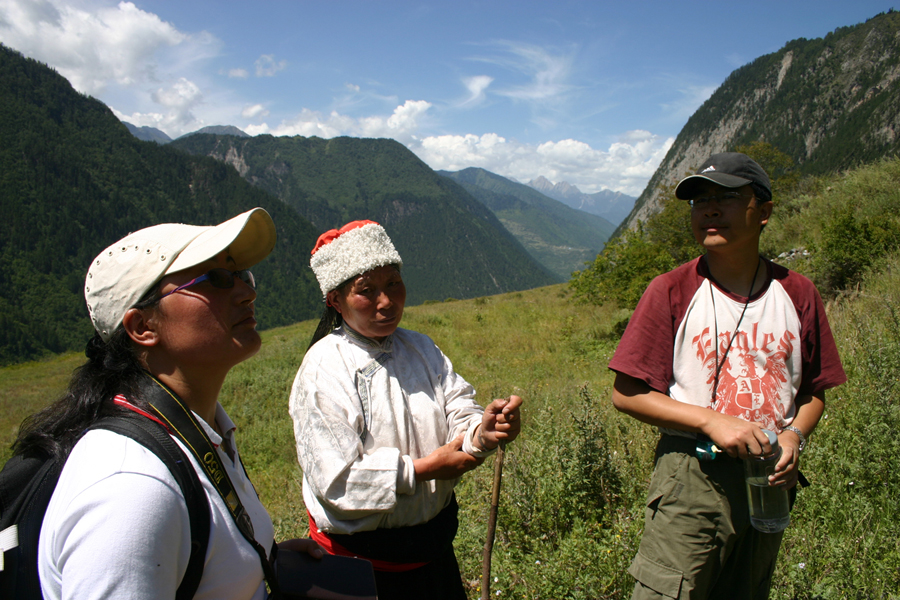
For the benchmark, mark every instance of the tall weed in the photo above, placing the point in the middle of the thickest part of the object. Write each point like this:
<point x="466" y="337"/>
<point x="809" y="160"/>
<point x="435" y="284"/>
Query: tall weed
<point x="842" y="542"/>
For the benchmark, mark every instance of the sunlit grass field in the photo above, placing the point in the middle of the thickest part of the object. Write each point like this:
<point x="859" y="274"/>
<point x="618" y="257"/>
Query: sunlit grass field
<point x="574" y="482"/>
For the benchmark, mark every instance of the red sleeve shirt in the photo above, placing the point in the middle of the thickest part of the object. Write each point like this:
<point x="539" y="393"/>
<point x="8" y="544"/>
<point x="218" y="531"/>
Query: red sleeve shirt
<point x="686" y="327"/>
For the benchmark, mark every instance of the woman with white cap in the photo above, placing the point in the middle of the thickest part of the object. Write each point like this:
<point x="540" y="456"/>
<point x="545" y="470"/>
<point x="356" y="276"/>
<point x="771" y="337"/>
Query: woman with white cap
<point x="173" y="310"/>
<point x="384" y="425"/>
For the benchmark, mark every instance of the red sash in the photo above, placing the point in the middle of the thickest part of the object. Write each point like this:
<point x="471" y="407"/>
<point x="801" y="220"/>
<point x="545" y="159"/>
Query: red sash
<point x="333" y="547"/>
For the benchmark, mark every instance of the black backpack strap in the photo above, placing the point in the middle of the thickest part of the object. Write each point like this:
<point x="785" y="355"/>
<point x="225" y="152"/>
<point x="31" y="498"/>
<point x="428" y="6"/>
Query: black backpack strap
<point x="156" y="439"/>
<point x="30" y="481"/>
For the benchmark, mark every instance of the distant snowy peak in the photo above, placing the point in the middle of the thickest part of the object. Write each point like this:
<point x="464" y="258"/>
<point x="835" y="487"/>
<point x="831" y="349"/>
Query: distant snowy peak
<point x="612" y="206"/>
<point x="542" y="184"/>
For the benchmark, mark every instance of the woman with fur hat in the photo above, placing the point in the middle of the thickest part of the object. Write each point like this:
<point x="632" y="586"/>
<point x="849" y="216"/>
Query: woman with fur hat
<point x="384" y="425"/>
<point x="173" y="310"/>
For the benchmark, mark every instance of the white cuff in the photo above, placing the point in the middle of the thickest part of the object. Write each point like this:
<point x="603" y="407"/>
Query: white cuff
<point x="469" y="442"/>
<point x="406" y="476"/>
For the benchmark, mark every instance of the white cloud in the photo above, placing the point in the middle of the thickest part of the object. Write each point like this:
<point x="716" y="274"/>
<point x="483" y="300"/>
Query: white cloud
<point x="181" y="96"/>
<point x="626" y="166"/>
<point x="119" y="51"/>
<point x="266" y="66"/>
<point x="178" y="103"/>
<point x="547" y="70"/>
<point x="252" y="112"/>
<point x="401" y="125"/>
<point x="238" y="73"/>
<point x="91" y="48"/>
<point x="476" y="86"/>
<point x="308" y="123"/>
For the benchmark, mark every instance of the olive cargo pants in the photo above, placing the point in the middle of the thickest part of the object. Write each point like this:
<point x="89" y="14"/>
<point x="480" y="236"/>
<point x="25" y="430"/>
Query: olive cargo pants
<point x="698" y="541"/>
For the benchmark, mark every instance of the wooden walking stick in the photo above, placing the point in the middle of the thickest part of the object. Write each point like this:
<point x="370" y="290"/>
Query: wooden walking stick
<point x="492" y="524"/>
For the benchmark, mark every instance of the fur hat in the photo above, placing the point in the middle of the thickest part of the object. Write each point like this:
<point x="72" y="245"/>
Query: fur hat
<point x="355" y="248"/>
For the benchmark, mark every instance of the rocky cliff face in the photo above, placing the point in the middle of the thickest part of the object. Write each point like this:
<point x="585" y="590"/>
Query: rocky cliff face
<point x="829" y="103"/>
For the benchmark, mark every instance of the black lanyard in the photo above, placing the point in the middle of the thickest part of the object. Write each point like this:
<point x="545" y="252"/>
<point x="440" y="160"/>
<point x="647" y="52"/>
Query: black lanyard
<point x="182" y="423"/>
<point x="733" y="335"/>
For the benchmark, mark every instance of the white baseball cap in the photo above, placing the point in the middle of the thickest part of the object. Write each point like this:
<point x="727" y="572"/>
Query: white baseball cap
<point x="123" y="273"/>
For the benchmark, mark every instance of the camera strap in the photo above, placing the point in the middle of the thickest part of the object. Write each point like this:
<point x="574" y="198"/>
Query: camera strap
<point x="182" y="423"/>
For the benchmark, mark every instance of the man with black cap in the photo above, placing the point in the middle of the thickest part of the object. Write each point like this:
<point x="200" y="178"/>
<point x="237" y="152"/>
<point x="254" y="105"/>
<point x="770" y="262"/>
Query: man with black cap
<point x="717" y="350"/>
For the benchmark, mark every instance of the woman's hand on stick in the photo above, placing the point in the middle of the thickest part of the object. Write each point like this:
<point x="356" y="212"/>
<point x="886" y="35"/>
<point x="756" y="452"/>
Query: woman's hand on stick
<point x="501" y="422"/>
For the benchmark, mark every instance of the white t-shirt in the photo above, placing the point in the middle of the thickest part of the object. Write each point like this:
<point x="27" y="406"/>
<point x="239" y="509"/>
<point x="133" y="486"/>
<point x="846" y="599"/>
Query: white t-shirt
<point x="117" y="526"/>
<point x="362" y="412"/>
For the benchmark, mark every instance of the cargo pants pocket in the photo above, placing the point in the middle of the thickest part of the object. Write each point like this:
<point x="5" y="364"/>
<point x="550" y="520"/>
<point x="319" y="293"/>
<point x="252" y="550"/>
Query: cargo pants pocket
<point x="654" y="579"/>
<point x="682" y="519"/>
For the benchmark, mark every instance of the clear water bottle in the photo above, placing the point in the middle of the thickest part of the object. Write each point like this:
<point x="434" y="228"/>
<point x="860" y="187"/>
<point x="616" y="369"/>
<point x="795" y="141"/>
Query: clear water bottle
<point x="769" y="505"/>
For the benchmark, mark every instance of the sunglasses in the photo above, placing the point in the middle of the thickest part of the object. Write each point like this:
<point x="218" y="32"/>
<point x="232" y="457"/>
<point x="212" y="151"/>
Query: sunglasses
<point x="219" y="278"/>
<point x="723" y="200"/>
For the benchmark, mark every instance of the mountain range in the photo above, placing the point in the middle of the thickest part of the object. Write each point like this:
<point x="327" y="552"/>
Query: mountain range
<point x="452" y="245"/>
<point x="75" y="180"/>
<point x="152" y="134"/>
<point x="558" y="225"/>
<point x="559" y="237"/>
<point x="332" y="181"/>
<point x="612" y="206"/>
<point x="148" y="134"/>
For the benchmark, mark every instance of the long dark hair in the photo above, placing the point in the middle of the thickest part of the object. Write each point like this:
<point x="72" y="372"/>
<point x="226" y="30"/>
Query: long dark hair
<point x="331" y="320"/>
<point x="112" y="368"/>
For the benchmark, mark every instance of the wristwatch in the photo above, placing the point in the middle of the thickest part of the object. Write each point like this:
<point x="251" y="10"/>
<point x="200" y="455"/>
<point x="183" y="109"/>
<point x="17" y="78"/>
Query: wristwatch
<point x="799" y="435"/>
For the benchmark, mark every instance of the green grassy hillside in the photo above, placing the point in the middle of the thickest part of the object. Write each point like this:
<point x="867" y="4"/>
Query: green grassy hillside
<point x="571" y="508"/>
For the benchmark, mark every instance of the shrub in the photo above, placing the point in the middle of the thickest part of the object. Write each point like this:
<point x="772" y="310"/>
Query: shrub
<point x="621" y="272"/>
<point x="849" y="245"/>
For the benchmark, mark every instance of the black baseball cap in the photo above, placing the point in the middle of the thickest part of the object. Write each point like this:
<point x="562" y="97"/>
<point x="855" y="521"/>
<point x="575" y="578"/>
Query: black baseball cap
<point x="728" y="169"/>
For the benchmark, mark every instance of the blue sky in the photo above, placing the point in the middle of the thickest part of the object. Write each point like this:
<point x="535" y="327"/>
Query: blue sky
<point x="592" y="93"/>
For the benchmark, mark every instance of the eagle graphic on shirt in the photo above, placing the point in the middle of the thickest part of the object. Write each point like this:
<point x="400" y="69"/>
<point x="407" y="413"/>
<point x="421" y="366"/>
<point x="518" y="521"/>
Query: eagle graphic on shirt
<point x="751" y="374"/>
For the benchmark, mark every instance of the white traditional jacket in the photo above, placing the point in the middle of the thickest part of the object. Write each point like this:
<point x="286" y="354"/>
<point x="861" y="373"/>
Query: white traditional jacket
<point x="362" y="412"/>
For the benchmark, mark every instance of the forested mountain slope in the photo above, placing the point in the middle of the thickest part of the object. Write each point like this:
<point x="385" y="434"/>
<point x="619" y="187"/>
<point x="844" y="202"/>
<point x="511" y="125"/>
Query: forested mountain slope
<point x="830" y="103"/>
<point x="74" y="180"/>
<point x="451" y="244"/>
